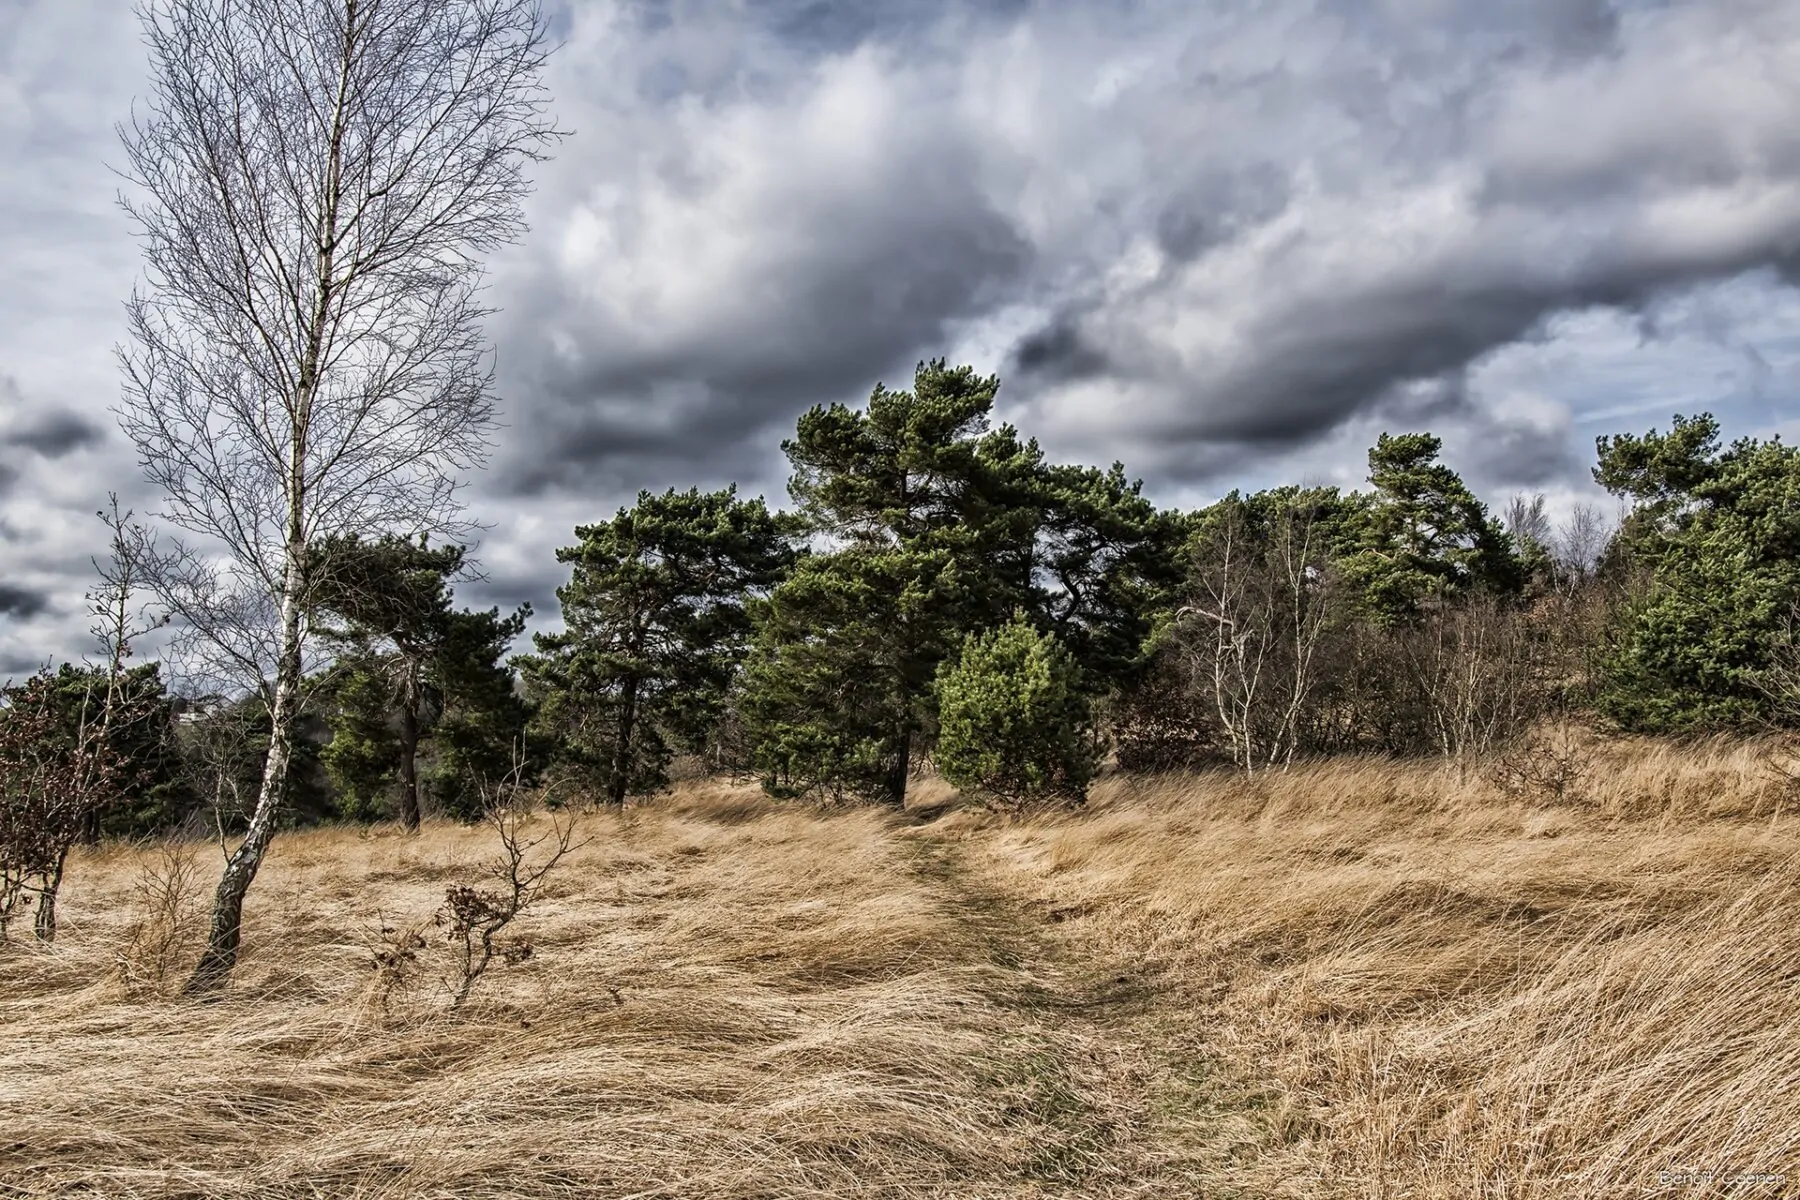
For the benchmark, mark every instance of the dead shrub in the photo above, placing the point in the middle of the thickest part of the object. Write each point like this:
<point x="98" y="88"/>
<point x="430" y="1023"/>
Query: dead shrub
<point x="164" y="934"/>
<point x="394" y="960"/>
<point x="473" y="919"/>
<point x="1546" y="765"/>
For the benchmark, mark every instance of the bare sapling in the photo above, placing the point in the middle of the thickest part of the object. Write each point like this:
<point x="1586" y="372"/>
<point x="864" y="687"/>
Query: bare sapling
<point x="1480" y="670"/>
<point x="1548" y="763"/>
<point x="62" y="762"/>
<point x="1261" y="607"/>
<point x="167" y="895"/>
<point x="1578" y="546"/>
<point x="315" y="186"/>
<point x="474" y="919"/>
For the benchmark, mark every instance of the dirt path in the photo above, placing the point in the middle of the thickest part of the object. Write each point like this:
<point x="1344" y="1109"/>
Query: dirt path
<point x="1110" y="1065"/>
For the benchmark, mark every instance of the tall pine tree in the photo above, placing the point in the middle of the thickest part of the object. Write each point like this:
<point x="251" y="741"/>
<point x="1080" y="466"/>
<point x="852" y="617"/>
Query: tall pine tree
<point x="931" y="526"/>
<point x="654" y="630"/>
<point x="913" y="502"/>
<point x="1422" y="538"/>
<point x="1711" y="565"/>
<point x="409" y="663"/>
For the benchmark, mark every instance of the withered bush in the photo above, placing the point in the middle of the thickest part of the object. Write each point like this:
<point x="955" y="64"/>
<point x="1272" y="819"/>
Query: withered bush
<point x="1548" y="764"/>
<point x="165" y="931"/>
<point x="394" y="959"/>
<point x="472" y="921"/>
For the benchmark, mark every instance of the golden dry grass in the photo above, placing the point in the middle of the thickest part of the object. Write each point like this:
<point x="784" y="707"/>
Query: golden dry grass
<point x="1355" y="979"/>
<point x="1436" y="992"/>
<point x="727" y="998"/>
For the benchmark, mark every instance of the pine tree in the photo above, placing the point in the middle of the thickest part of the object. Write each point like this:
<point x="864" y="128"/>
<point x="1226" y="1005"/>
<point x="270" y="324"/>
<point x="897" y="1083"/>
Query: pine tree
<point x="933" y="526"/>
<point x="1422" y="538"/>
<point x="838" y="685"/>
<point x="362" y="758"/>
<point x="480" y="734"/>
<point x="655" y="628"/>
<point x="1106" y="568"/>
<point x="408" y="661"/>
<point x="1711" y="565"/>
<point x="1013" y="717"/>
<point x="916" y="503"/>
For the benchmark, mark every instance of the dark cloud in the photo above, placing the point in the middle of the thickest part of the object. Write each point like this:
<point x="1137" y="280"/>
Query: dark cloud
<point x="20" y="602"/>
<point x="26" y="435"/>
<point x="16" y="666"/>
<point x="832" y="26"/>
<point x="1273" y="316"/>
<point x="1057" y="352"/>
<point x="1495" y="452"/>
<point x="1326" y="361"/>
<point x="536" y="588"/>
<point x="606" y="445"/>
<point x="1211" y="213"/>
<point x="55" y="435"/>
<point x="862" y="267"/>
<point x="1499" y="456"/>
<point x="828" y="26"/>
<point x="1226" y="243"/>
<point x="1214" y="206"/>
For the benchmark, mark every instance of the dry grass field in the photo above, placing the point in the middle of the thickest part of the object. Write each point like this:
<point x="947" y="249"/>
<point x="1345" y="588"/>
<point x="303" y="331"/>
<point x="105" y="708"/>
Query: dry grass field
<point x="1349" y="980"/>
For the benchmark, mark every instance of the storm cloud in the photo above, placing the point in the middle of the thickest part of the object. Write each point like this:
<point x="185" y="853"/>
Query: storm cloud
<point x="31" y="436"/>
<point x="55" y="434"/>
<point x="18" y="601"/>
<point x="1227" y="243"/>
<point x="1179" y="235"/>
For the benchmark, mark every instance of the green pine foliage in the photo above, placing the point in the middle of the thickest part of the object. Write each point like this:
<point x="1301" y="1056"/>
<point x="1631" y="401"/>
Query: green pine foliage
<point x="1709" y="563"/>
<point x="1421" y="539"/>
<point x="479" y="737"/>
<point x="1104" y="567"/>
<point x="1013" y="717"/>
<point x="931" y="525"/>
<point x="837" y="688"/>
<point x="362" y="757"/>
<point x="942" y="591"/>
<point x="655" y="626"/>
<point x="422" y="700"/>
<point x="914" y="502"/>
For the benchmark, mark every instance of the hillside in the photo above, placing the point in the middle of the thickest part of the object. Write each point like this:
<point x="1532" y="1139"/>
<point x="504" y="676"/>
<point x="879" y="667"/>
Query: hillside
<point x="1355" y="980"/>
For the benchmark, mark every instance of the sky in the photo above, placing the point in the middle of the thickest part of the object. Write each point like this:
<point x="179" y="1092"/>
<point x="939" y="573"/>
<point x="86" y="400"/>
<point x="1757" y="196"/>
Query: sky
<point x="1226" y="243"/>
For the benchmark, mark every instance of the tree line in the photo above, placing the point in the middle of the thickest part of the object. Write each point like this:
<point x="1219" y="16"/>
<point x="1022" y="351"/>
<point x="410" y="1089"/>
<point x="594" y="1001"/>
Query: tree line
<point x="941" y="595"/>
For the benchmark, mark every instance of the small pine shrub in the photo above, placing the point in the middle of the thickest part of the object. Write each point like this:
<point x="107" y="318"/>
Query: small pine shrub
<point x="1013" y="721"/>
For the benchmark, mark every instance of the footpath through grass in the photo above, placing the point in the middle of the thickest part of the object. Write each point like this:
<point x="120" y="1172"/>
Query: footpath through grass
<point x="1372" y="980"/>
<point x="1127" y="1100"/>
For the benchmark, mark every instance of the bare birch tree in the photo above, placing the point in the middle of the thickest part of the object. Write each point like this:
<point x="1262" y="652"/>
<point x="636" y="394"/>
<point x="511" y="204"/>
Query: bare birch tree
<point x="1260" y="608"/>
<point x="316" y="183"/>
<point x="1480" y="672"/>
<point x="1579" y="545"/>
<point x="1527" y="522"/>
